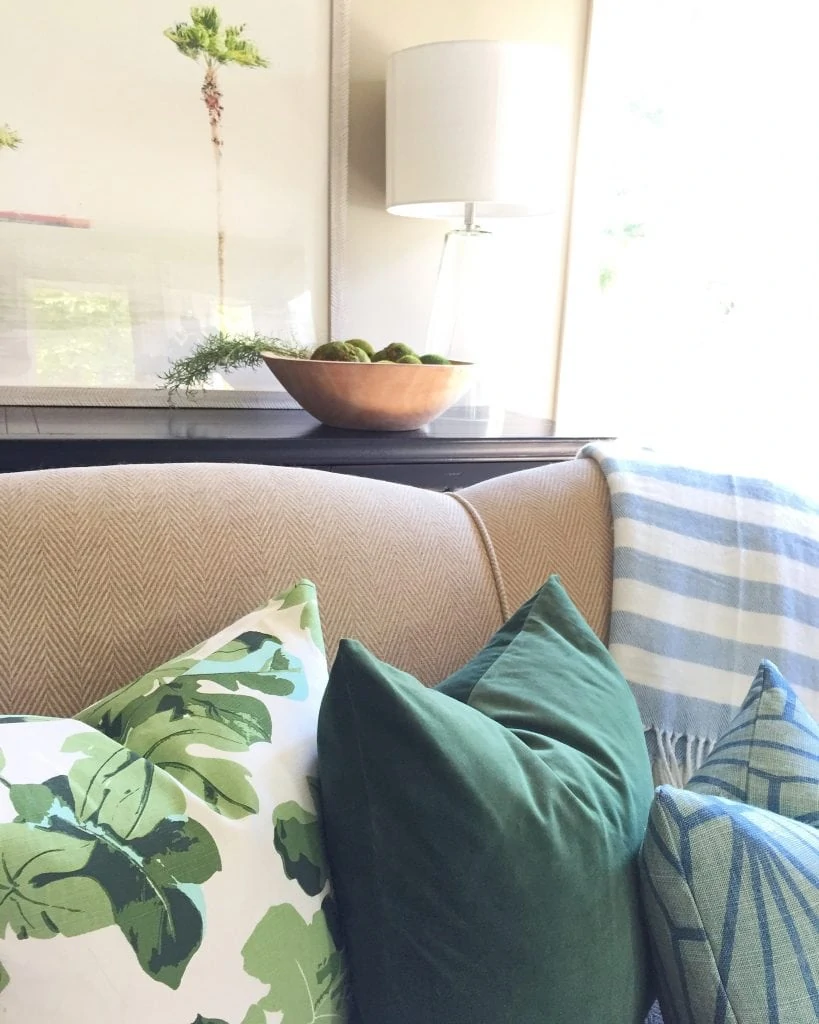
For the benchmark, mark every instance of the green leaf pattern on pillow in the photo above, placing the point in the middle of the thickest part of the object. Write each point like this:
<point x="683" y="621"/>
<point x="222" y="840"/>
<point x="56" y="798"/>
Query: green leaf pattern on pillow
<point x="108" y="843"/>
<point x="297" y="837"/>
<point x="299" y="960"/>
<point x="309" y="620"/>
<point x="141" y="804"/>
<point x="189" y="703"/>
<point x="278" y="951"/>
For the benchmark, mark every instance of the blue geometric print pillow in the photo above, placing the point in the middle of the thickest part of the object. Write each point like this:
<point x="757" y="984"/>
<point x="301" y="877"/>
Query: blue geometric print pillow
<point x="769" y="756"/>
<point x="731" y="893"/>
<point x="731" y="889"/>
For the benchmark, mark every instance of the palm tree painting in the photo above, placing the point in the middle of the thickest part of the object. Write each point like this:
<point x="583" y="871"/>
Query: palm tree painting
<point x="9" y="139"/>
<point x="205" y="40"/>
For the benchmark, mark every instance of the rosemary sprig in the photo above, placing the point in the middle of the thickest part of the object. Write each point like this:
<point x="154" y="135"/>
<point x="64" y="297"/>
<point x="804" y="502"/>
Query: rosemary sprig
<point x="222" y="351"/>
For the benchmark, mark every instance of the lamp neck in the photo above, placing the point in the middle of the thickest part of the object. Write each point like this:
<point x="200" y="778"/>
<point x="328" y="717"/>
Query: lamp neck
<point x="470" y="227"/>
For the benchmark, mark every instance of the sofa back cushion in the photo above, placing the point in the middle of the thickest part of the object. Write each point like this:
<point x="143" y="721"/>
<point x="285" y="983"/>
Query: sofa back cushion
<point x="109" y="571"/>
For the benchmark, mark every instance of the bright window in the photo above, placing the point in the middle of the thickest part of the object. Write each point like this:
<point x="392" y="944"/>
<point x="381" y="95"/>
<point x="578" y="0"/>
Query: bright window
<point x="693" y="289"/>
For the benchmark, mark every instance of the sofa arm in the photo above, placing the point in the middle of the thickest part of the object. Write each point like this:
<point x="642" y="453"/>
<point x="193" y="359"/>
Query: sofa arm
<point x="550" y="519"/>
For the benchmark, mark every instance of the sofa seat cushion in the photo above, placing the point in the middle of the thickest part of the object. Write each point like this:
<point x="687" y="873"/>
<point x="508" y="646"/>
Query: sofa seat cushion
<point x="483" y="835"/>
<point x="161" y="856"/>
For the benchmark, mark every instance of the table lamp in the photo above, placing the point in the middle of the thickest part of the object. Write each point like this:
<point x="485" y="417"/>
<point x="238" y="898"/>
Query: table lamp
<point x="469" y="136"/>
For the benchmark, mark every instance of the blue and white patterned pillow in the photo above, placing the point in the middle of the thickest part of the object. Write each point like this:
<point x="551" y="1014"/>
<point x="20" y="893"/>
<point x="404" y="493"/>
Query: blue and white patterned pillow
<point x="730" y="871"/>
<point x="769" y="755"/>
<point x="731" y="894"/>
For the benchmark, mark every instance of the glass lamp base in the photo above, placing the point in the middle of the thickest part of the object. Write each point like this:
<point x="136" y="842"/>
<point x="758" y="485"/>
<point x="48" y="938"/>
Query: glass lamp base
<point x="466" y="322"/>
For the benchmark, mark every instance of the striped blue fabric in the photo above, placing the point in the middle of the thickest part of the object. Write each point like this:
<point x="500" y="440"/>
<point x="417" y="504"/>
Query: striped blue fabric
<point x="713" y="573"/>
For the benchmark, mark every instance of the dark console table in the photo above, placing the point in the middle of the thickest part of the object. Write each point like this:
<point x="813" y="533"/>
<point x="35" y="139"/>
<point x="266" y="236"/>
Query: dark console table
<point x="452" y="452"/>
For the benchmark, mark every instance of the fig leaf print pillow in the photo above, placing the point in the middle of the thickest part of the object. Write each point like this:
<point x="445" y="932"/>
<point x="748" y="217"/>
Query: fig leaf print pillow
<point x="160" y="855"/>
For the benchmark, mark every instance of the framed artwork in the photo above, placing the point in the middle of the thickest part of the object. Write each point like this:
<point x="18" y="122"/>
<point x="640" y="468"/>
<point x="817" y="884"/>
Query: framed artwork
<point x="166" y="172"/>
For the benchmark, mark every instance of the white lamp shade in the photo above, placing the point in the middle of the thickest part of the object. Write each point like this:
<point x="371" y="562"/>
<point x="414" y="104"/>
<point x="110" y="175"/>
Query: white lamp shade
<point x="472" y="122"/>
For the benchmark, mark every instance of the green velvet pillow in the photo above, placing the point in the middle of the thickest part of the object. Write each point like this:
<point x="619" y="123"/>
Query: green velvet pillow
<point x="483" y="836"/>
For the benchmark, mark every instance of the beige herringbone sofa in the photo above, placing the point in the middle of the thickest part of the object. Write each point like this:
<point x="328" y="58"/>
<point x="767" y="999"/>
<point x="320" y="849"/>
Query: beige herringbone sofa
<point x="107" y="572"/>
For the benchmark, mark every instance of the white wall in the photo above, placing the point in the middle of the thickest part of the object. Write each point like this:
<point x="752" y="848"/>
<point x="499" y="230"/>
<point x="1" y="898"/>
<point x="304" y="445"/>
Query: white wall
<point x="391" y="262"/>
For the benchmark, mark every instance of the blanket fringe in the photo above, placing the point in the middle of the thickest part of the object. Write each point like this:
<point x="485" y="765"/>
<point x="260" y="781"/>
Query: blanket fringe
<point x="675" y="756"/>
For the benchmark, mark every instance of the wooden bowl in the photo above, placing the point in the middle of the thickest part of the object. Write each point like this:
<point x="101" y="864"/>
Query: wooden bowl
<point x="371" y="396"/>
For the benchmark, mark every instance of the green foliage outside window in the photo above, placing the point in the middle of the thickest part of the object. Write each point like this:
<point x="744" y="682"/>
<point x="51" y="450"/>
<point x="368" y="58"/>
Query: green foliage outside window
<point x="83" y="338"/>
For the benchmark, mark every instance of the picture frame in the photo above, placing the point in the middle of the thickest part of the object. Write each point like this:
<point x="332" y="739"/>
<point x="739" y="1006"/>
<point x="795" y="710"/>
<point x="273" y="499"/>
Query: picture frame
<point x="73" y="275"/>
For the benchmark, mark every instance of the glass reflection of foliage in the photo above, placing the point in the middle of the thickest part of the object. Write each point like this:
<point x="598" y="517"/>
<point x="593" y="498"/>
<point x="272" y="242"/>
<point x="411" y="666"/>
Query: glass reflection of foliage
<point x="9" y="138"/>
<point x="83" y="339"/>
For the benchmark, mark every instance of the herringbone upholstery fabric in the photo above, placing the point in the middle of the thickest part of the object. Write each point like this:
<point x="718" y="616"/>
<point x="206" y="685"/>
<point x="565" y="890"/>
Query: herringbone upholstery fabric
<point x="108" y="572"/>
<point x="552" y="519"/>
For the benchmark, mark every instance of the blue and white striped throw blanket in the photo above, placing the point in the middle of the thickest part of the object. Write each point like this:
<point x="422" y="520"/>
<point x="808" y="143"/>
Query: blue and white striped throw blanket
<point x="712" y="573"/>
